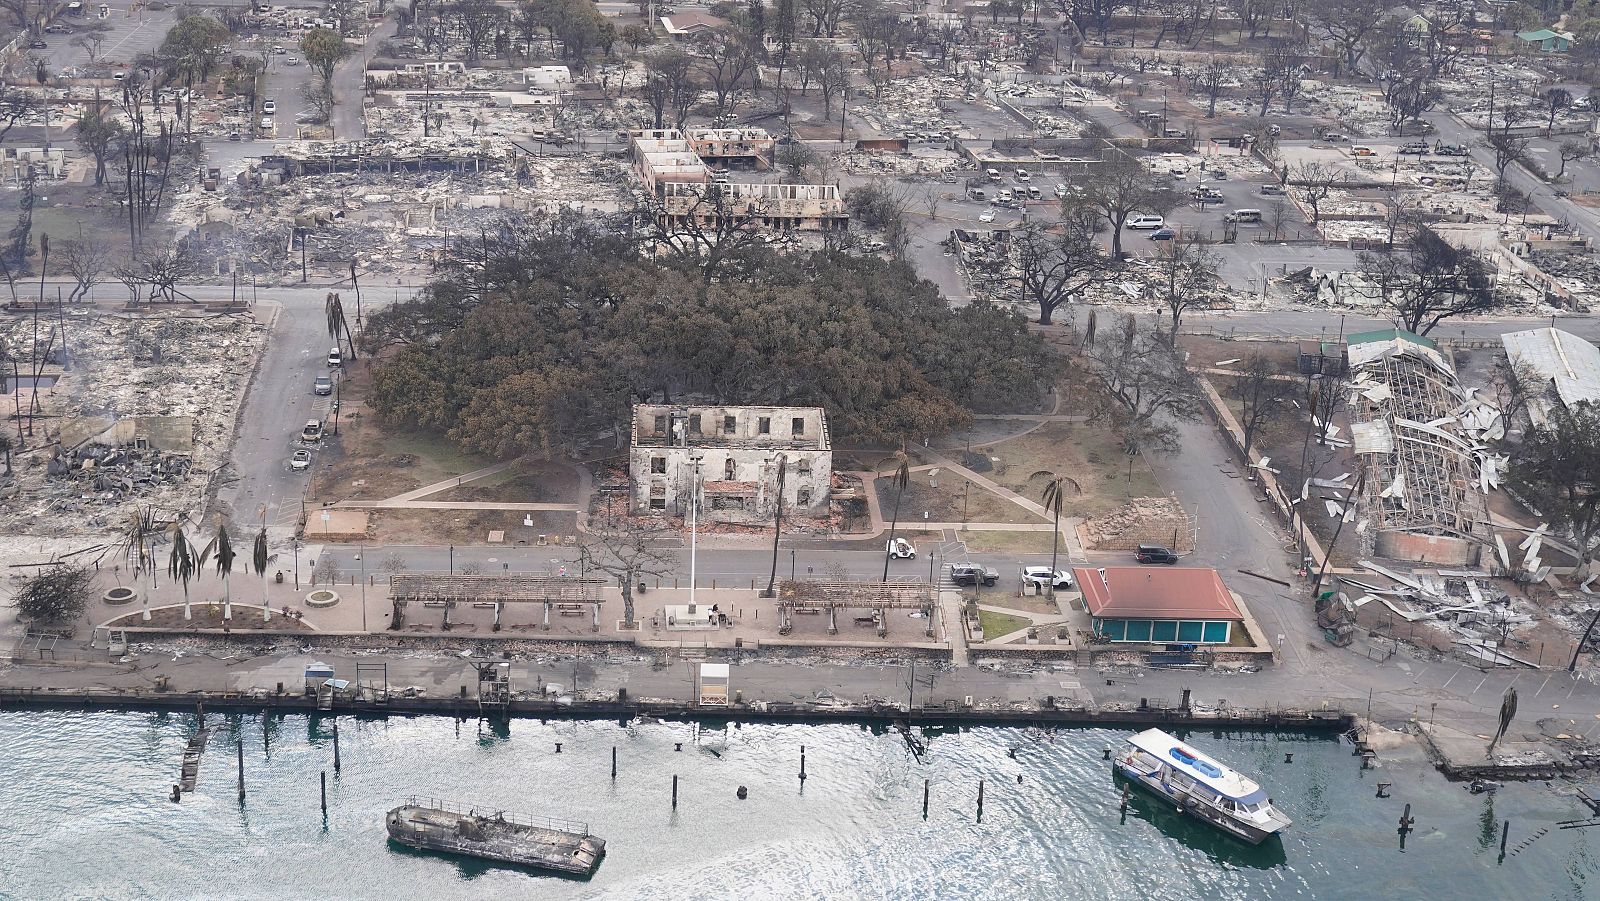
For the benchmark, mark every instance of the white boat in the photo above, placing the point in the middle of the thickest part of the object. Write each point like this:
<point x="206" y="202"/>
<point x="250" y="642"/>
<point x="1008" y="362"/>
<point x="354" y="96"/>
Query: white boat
<point x="1200" y="786"/>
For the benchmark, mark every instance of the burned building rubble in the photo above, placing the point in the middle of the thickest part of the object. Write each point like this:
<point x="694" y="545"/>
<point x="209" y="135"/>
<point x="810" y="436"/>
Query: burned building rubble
<point x="143" y="414"/>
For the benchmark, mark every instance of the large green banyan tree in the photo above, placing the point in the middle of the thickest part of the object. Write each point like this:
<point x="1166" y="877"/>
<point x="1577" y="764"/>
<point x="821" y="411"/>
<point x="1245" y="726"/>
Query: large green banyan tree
<point x="545" y="345"/>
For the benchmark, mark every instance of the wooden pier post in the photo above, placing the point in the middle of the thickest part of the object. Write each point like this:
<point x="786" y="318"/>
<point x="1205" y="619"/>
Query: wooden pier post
<point x="324" y="794"/>
<point x="177" y="793"/>
<point x="1126" y="790"/>
<point x="674" y="791"/>
<point x="558" y="747"/>
<point x="613" y="762"/>
<point x="241" y="769"/>
<point x="925" y="786"/>
<point x="980" y="800"/>
<point x="802" y="763"/>
<point x="336" y="744"/>
<point x="1505" y="833"/>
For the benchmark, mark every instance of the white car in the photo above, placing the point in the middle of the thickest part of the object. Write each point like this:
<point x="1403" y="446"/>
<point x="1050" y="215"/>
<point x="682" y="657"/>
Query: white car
<point x="269" y="106"/>
<point x="986" y="216"/>
<point x="1043" y="577"/>
<point x="900" y="549"/>
<point x="300" y="461"/>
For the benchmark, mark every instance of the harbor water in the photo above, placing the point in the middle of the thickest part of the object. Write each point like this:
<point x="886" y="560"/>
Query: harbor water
<point x="88" y="814"/>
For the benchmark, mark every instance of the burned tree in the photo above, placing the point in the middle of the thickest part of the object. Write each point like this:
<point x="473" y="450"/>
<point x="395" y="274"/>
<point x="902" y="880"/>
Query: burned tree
<point x="56" y="596"/>
<point x="1430" y="280"/>
<point x="1187" y="270"/>
<point x="1261" y="394"/>
<point x="1557" y="468"/>
<point x="1060" y="260"/>
<point x="706" y="226"/>
<point x="1138" y="386"/>
<point x="1120" y="187"/>
<point x="1314" y="182"/>
<point x="627" y="549"/>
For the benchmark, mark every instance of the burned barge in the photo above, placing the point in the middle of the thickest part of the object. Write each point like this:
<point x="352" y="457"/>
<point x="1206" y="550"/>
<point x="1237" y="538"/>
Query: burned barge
<point x="538" y="842"/>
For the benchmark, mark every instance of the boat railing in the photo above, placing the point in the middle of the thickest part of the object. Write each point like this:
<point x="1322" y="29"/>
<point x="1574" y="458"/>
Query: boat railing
<point x="536" y="821"/>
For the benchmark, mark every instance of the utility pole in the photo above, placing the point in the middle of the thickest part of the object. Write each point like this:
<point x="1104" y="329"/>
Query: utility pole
<point x="694" y="522"/>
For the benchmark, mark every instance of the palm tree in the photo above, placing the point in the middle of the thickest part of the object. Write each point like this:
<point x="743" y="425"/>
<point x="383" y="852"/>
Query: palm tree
<point x="137" y="545"/>
<point x="1054" y="491"/>
<point x="258" y="557"/>
<point x="182" y="564"/>
<point x="338" y="326"/>
<point x="222" y="545"/>
<point x="900" y="479"/>
<point x="777" y="527"/>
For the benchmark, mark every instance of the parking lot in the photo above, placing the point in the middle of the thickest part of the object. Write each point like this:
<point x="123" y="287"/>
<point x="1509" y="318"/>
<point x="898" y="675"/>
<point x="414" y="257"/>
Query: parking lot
<point x="130" y="34"/>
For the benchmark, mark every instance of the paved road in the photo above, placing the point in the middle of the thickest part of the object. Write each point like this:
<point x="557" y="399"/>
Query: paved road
<point x="732" y="568"/>
<point x="278" y="404"/>
<point x="1451" y="130"/>
<point x="349" y="84"/>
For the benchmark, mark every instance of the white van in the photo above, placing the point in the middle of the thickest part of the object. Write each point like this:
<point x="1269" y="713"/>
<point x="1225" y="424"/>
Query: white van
<point x="1004" y="196"/>
<point x="1244" y="216"/>
<point x="1034" y="193"/>
<point x="1146" y="222"/>
<point x="979" y="194"/>
<point x="994" y="174"/>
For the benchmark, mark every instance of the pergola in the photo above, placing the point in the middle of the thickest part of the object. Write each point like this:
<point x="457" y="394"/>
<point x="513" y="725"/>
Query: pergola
<point x="828" y="596"/>
<point x="567" y="592"/>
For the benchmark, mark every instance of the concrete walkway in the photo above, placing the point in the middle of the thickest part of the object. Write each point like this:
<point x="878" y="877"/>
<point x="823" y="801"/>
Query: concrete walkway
<point x="456" y="481"/>
<point x="455" y="505"/>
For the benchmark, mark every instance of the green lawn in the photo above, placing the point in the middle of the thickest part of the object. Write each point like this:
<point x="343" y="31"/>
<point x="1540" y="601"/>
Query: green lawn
<point x="998" y="624"/>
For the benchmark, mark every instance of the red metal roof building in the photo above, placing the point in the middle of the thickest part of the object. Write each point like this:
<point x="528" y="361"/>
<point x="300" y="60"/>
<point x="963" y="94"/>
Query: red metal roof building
<point x="1159" y="604"/>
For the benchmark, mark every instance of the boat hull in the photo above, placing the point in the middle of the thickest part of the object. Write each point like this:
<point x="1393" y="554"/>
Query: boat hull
<point x="487" y="838"/>
<point x="1244" y="831"/>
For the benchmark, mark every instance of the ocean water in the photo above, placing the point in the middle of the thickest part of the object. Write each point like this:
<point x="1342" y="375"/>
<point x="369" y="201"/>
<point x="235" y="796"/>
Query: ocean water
<point x="87" y="814"/>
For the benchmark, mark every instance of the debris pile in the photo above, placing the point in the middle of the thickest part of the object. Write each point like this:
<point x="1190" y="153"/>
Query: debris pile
<point x="1145" y="520"/>
<point x="1475" y="614"/>
<point x="117" y="470"/>
<point x="145" y="412"/>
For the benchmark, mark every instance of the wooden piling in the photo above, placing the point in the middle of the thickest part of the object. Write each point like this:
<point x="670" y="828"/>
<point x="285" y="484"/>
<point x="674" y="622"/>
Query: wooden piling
<point x="558" y="747"/>
<point x="925" y="785"/>
<point x="980" y="800"/>
<point x="1126" y="790"/>
<point x="802" y="763"/>
<point x="613" y="761"/>
<point x="336" y="744"/>
<point x="1288" y="758"/>
<point x="674" y="791"/>
<point x="1505" y="833"/>
<point x="324" y="794"/>
<point x="241" y="769"/>
<point x="177" y="793"/>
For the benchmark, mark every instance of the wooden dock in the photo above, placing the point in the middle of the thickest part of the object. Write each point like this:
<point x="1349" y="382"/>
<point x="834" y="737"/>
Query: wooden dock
<point x="191" y="759"/>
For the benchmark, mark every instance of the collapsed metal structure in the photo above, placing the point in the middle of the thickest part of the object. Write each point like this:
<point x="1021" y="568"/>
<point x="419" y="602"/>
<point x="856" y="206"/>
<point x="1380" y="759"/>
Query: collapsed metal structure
<point x="569" y="593"/>
<point x="1423" y="440"/>
<point x="830" y="596"/>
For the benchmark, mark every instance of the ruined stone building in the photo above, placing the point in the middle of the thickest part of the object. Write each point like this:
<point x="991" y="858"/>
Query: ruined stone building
<point x="675" y="171"/>
<point x="737" y="449"/>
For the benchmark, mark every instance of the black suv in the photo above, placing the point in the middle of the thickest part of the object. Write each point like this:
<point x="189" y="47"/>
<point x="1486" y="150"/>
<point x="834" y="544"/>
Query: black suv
<point x="972" y="574"/>
<point x="1155" y="553"/>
